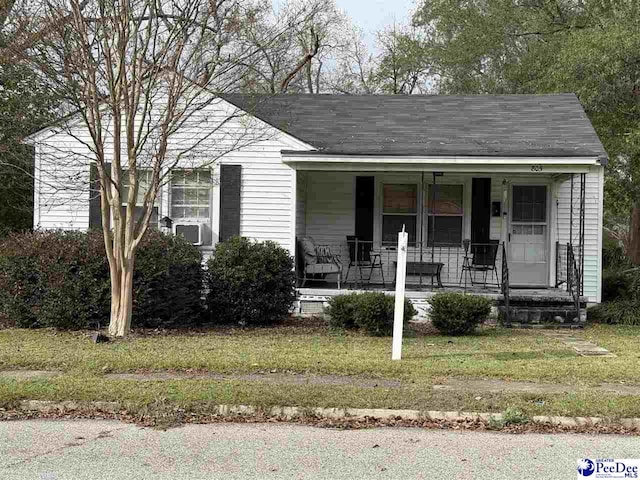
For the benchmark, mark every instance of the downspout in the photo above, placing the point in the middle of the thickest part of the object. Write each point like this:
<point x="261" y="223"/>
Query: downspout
<point x="421" y="225"/>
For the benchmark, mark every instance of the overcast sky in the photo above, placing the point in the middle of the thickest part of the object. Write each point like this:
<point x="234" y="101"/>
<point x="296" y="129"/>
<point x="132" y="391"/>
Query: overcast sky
<point x="373" y="15"/>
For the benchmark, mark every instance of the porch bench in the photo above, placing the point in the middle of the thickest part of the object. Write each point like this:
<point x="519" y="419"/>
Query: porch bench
<point x="426" y="269"/>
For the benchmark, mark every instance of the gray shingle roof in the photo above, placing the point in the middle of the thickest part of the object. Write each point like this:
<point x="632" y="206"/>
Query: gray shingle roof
<point x="489" y="125"/>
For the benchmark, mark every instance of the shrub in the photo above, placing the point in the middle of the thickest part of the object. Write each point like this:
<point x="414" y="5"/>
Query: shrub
<point x="616" y="284"/>
<point x="620" y="311"/>
<point x="613" y="254"/>
<point x="342" y="310"/>
<point x="372" y="312"/>
<point x="458" y="314"/>
<point x="167" y="282"/>
<point x="53" y="279"/>
<point x="511" y="416"/>
<point x="61" y="279"/>
<point x="250" y="283"/>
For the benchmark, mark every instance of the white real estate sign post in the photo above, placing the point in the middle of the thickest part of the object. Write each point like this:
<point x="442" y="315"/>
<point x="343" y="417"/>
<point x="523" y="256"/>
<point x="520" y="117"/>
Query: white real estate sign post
<point x="396" y="349"/>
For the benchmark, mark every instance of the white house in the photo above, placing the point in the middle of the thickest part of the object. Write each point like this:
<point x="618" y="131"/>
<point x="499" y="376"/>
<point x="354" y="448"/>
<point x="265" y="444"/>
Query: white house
<point x="519" y="177"/>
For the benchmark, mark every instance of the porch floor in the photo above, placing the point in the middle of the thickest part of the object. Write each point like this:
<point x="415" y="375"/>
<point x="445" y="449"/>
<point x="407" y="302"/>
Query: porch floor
<point x="329" y="289"/>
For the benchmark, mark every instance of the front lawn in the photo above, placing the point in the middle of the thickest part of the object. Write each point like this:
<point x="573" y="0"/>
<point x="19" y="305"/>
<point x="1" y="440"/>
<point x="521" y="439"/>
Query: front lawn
<point x="427" y="360"/>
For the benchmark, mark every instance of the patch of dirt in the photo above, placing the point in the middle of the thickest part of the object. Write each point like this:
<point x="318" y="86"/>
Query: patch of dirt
<point x="28" y="374"/>
<point x="620" y="388"/>
<point x="274" y="377"/>
<point x="296" y="325"/>
<point x="499" y="386"/>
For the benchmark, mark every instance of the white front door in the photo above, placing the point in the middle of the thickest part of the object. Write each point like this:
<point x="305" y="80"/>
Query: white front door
<point x="528" y="236"/>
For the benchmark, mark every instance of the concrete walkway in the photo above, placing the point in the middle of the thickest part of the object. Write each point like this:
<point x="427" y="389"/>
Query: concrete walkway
<point x="582" y="347"/>
<point x="96" y="450"/>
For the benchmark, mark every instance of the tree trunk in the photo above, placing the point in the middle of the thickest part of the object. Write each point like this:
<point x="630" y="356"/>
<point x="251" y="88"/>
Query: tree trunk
<point x="634" y="247"/>
<point x="121" y="300"/>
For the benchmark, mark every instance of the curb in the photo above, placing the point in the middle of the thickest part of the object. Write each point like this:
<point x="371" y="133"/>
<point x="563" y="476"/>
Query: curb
<point x="290" y="413"/>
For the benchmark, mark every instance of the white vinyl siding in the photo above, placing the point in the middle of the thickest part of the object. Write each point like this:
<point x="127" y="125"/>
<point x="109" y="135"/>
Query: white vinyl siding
<point x="330" y="206"/>
<point x="61" y="183"/>
<point x="266" y="193"/>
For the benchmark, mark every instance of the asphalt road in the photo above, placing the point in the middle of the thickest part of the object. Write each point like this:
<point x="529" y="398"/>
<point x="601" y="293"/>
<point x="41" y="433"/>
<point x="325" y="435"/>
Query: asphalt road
<point x="56" y="450"/>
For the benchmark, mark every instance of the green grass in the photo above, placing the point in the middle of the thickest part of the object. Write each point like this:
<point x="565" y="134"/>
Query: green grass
<point x="427" y="359"/>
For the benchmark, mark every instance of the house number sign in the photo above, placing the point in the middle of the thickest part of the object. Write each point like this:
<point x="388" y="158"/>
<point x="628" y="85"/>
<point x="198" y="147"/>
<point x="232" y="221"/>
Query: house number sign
<point x="536" y="168"/>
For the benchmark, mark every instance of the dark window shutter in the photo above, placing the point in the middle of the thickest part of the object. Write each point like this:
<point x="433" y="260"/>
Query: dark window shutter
<point x="95" y="216"/>
<point x="230" y="184"/>
<point x="480" y="210"/>
<point x="365" y="187"/>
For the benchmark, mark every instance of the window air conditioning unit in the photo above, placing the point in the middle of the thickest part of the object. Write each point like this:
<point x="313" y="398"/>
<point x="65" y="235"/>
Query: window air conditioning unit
<point x="192" y="232"/>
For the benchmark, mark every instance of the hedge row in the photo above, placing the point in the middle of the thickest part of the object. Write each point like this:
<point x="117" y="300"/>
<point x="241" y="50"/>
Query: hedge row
<point x="61" y="279"/>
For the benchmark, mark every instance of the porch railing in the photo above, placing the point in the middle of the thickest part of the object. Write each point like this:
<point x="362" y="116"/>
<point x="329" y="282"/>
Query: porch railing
<point x="561" y="264"/>
<point x="574" y="279"/>
<point x="366" y="263"/>
<point x="505" y="286"/>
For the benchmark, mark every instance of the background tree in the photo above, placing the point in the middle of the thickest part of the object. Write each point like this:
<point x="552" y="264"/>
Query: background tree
<point x="356" y="68"/>
<point x="26" y="104"/>
<point x="404" y="64"/>
<point x="400" y="65"/>
<point x="302" y="57"/>
<point x="590" y="47"/>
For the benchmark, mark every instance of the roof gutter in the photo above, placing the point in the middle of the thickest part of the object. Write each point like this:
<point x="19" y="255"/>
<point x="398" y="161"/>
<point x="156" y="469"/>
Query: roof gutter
<point x="315" y="156"/>
<point x="312" y="160"/>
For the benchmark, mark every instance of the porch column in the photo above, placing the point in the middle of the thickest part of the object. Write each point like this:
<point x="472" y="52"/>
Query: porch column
<point x="294" y="212"/>
<point x="504" y="214"/>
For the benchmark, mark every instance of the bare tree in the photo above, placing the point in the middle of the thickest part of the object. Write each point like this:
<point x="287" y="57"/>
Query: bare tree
<point x="401" y="65"/>
<point x="357" y="68"/>
<point x="144" y="78"/>
<point x="298" y="60"/>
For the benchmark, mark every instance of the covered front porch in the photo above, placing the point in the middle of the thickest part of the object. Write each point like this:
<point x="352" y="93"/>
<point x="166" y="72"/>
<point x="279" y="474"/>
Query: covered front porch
<point x="468" y="231"/>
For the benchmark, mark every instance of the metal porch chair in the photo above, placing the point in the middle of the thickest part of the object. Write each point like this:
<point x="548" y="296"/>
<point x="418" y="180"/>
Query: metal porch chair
<point x="365" y="257"/>
<point x="482" y="259"/>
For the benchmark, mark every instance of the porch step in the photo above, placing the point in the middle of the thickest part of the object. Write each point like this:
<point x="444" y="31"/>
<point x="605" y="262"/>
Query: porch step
<point x="540" y="311"/>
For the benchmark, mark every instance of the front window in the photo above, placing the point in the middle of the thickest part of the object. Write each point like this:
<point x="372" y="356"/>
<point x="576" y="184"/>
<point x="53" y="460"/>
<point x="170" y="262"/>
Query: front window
<point x="191" y="196"/>
<point x="444" y="214"/>
<point x="399" y="208"/>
